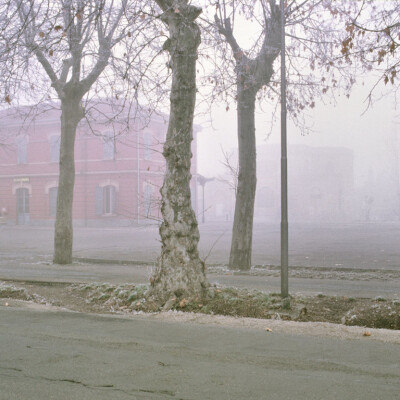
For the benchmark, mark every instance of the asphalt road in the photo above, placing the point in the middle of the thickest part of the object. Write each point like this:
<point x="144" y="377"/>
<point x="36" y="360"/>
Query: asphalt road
<point x="65" y="355"/>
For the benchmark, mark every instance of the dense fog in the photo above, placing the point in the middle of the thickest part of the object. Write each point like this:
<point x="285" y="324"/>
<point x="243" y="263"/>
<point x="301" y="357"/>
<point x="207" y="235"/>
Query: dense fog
<point x="343" y="164"/>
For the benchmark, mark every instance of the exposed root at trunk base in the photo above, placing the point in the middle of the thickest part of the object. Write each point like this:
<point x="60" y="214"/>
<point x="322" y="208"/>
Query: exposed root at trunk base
<point x="173" y="283"/>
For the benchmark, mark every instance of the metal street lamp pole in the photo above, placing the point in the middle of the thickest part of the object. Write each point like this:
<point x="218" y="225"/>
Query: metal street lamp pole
<point x="284" y="195"/>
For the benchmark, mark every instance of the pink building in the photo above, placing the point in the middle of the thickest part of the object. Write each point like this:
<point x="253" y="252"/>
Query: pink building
<point x="119" y="170"/>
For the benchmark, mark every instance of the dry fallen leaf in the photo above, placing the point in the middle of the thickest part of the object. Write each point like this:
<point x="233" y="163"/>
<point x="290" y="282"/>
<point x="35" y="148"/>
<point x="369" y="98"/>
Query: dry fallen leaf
<point x="367" y="334"/>
<point x="303" y="311"/>
<point x="183" y="302"/>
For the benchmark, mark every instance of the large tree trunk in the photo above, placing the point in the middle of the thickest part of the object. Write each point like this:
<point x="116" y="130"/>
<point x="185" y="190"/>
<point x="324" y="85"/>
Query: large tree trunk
<point x="179" y="272"/>
<point x="71" y="114"/>
<point x="252" y="75"/>
<point x="242" y="232"/>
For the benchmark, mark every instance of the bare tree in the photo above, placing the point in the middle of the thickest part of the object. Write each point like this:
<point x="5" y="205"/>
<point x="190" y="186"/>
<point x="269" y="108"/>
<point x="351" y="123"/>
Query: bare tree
<point x="246" y="75"/>
<point x="180" y="271"/>
<point x="251" y="75"/>
<point x="231" y="176"/>
<point x="65" y="46"/>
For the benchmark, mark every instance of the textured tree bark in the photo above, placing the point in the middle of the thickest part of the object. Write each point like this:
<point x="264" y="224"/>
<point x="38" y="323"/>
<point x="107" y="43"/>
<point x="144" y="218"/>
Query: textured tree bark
<point x="82" y="21"/>
<point x="71" y="114"/>
<point x="252" y="75"/>
<point x="242" y="232"/>
<point x="179" y="272"/>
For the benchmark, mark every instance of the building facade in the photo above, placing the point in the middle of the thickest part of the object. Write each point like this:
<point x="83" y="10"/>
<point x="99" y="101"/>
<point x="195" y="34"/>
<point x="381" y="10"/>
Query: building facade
<point x="320" y="183"/>
<point x="320" y="186"/>
<point x="119" y="170"/>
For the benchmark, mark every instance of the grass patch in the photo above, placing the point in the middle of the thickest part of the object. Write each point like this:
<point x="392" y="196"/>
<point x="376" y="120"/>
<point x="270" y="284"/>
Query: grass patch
<point x="9" y="291"/>
<point x="128" y="298"/>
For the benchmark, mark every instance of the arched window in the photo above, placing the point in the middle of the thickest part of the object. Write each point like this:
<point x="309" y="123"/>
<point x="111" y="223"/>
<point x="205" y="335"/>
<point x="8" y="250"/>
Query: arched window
<point x="105" y="200"/>
<point x="22" y="206"/>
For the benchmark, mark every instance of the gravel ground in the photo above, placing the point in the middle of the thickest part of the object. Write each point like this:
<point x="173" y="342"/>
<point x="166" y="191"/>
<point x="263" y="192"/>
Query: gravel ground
<point x="321" y="315"/>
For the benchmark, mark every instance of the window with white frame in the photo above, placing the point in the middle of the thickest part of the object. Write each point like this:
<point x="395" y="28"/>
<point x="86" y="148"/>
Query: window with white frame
<point x="108" y="146"/>
<point x="22" y="149"/>
<point x="55" y="143"/>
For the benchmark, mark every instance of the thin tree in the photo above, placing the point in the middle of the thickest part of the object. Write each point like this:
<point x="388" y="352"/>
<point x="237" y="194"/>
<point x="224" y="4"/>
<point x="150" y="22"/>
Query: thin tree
<point x="180" y="272"/>
<point x="246" y="75"/>
<point x="65" y="46"/>
<point x="251" y="75"/>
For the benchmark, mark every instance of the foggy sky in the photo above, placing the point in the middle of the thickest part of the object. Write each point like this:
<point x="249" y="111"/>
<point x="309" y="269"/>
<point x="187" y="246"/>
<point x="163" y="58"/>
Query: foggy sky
<point x="350" y="123"/>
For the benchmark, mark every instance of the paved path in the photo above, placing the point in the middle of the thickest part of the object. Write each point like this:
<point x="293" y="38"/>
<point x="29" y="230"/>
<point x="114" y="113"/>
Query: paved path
<point x="39" y="268"/>
<point x="65" y="355"/>
<point x="366" y="245"/>
<point x="25" y="254"/>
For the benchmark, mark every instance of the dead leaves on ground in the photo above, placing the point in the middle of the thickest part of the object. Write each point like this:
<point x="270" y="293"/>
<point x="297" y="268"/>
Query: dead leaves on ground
<point x="183" y="303"/>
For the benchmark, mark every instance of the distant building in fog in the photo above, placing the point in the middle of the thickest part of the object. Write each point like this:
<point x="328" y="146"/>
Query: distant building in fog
<point x="219" y="200"/>
<point x="119" y="171"/>
<point x="320" y="179"/>
<point x="320" y="183"/>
